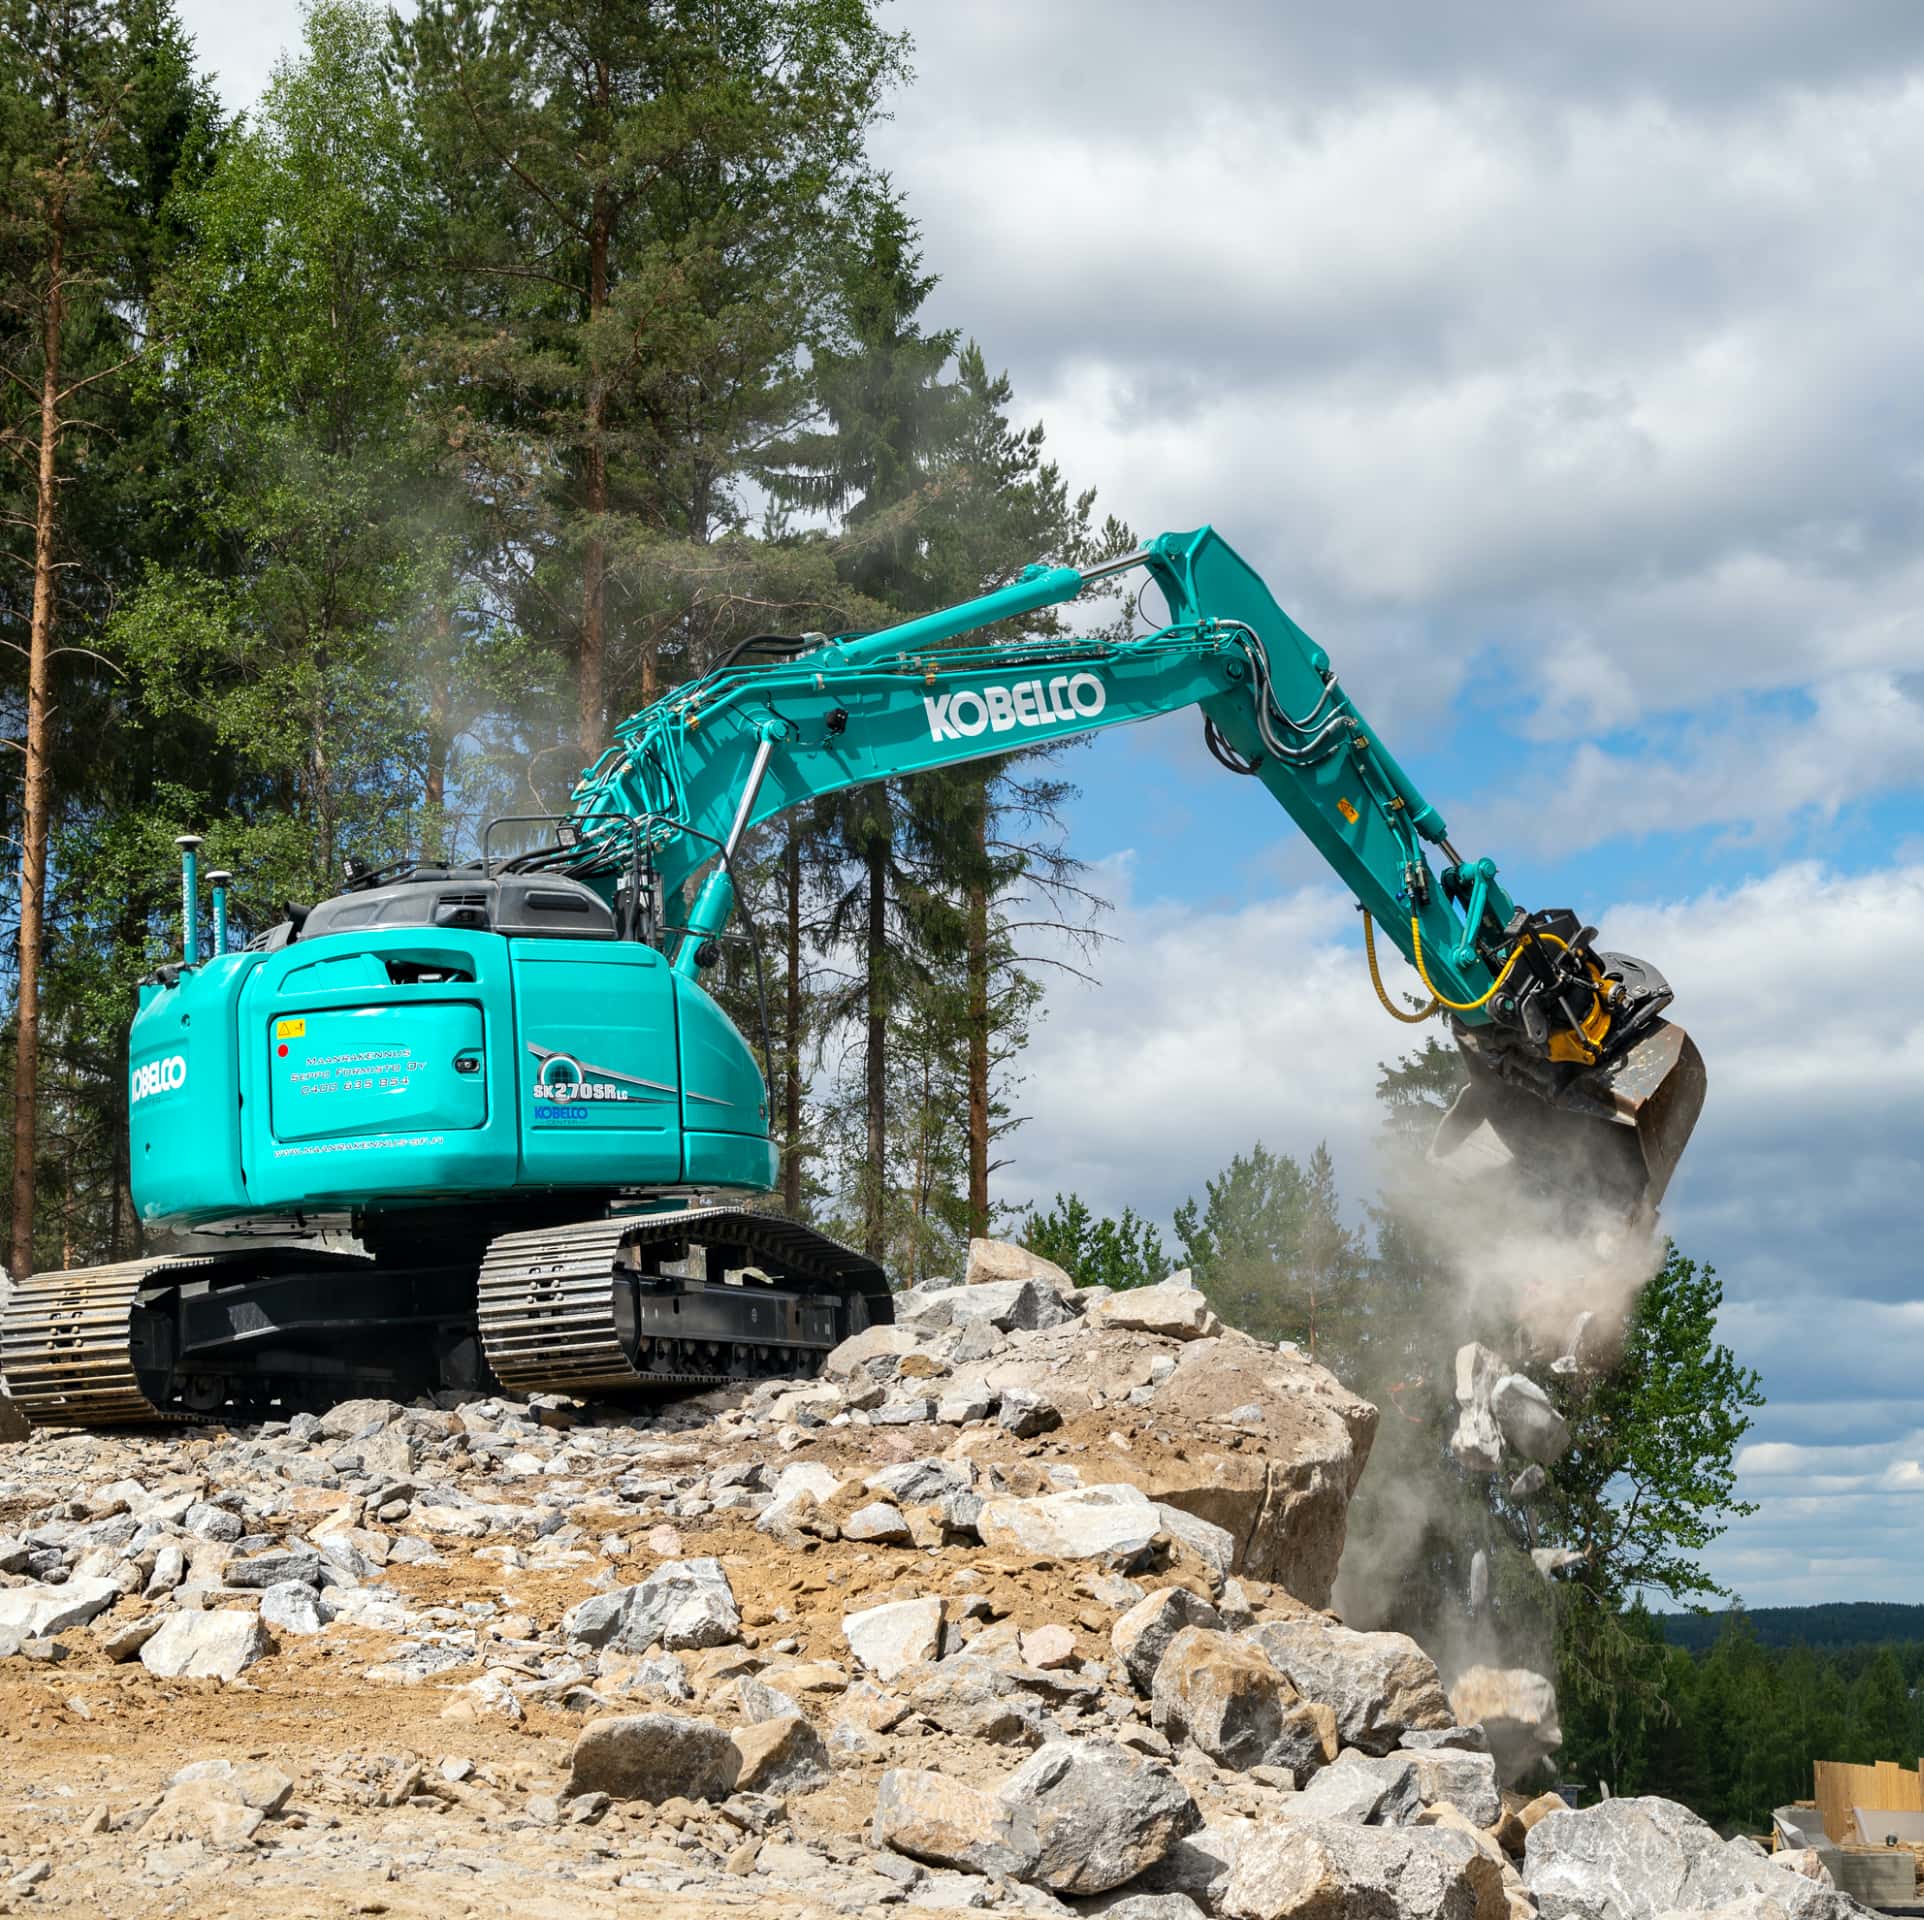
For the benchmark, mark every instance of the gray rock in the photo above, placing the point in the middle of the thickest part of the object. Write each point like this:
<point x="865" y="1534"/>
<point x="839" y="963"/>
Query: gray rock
<point x="992" y="1260"/>
<point x="1310" y="1870"/>
<point x="1629" y="1859"/>
<point x="1176" y="1312"/>
<point x="1142" y="1636"/>
<point x="264" y="1570"/>
<point x="883" y="1343"/>
<point x="879" y="1523"/>
<point x="1115" y="1525"/>
<point x="1199" y="1865"/>
<point x="1470" y="1739"/>
<point x="961" y="1405"/>
<point x="1214" y="1546"/>
<point x="931" y="1817"/>
<point x="1101" y="1814"/>
<point x="781" y="1756"/>
<point x="1222" y="1694"/>
<point x="1010" y="1306"/>
<point x="682" y="1604"/>
<point x="1531" y="1425"/>
<point x="1477" y="1442"/>
<point x="1466" y="1780"/>
<point x="1026" y="1413"/>
<point x="1130" y="1905"/>
<point x="206" y="1646"/>
<point x="34" y="1612"/>
<point x="891" y="1638"/>
<point x="212" y="1523"/>
<point x="292" y="1606"/>
<point x="912" y="1483"/>
<point x="1359" y="1788"/>
<point x="1380" y="1684"/>
<point x="654" y="1756"/>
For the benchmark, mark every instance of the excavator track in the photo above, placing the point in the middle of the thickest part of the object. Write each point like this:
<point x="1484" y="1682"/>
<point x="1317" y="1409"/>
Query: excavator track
<point x="587" y="1309"/>
<point x="66" y="1347"/>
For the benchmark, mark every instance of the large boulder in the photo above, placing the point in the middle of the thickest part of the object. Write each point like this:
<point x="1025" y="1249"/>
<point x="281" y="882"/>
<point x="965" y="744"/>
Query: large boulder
<point x="1277" y="1476"/>
<point x="993" y="1260"/>
<point x="895" y="1636"/>
<point x="1101" y="1815"/>
<point x="1630" y="1859"/>
<point x="1330" y="1870"/>
<point x="1114" y="1525"/>
<point x="36" y="1610"/>
<point x="931" y="1817"/>
<point x="1381" y="1684"/>
<point x="682" y="1604"/>
<point x="655" y="1756"/>
<point x="1142" y="1636"/>
<point x="206" y="1646"/>
<point x="1221" y="1694"/>
<point x="1175" y="1312"/>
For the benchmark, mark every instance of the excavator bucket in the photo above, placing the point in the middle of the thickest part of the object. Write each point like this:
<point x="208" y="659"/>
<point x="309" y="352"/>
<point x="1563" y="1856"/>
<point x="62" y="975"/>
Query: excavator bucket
<point x="1599" y="1138"/>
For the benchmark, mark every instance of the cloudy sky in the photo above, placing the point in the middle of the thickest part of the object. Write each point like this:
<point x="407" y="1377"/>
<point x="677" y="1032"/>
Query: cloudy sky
<point x="1559" y="369"/>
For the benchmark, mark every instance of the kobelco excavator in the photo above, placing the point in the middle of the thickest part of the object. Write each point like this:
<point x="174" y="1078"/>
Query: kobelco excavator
<point x="482" y="1123"/>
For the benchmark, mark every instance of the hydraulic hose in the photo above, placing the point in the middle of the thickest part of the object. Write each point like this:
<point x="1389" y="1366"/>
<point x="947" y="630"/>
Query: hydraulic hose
<point x="1376" y="980"/>
<point x="1459" y="1006"/>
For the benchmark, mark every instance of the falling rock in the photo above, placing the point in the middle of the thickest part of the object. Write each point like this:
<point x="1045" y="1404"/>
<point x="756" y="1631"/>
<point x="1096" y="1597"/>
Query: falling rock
<point x="206" y="1646"/>
<point x="1176" y="1312"/>
<point x="1142" y="1636"/>
<point x="1101" y="1815"/>
<point x="35" y="1611"/>
<point x="1630" y="1859"/>
<point x="991" y="1260"/>
<point x="891" y="1638"/>
<point x="1380" y="1684"/>
<point x="931" y="1817"/>
<point x="1477" y="1442"/>
<point x="1479" y="1582"/>
<point x="1221" y="1693"/>
<point x="1529" y="1483"/>
<point x="1531" y="1425"/>
<point x="1516" y="1708"/>
<point x="1321" y="1869"/>
<point x="1116" y="1525"/>
<point x="1477" y="1372"/>
<point x="655" y="1756"/>
<point x="683" y="1603"/>
<point x="780" y="1756"/>
<point x="1553" y="1561"/>
<point x="292" y="1606"/>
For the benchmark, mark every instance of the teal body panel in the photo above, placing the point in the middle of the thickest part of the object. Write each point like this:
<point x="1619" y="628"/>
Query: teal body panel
<point x="314" y="1080"/>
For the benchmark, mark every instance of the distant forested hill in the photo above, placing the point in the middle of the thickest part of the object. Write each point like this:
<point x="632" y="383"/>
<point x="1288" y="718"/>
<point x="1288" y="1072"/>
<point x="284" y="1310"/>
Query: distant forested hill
<point x="1838" y="1623"/>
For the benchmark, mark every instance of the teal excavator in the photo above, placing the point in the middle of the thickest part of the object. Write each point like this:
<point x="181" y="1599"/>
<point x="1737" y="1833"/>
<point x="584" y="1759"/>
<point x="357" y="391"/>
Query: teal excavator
<point x="481" y="1124"/>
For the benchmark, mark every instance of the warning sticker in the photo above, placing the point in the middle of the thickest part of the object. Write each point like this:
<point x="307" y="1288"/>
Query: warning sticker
<point x="289" y="1029"/>
<point x="1347" y="810"/>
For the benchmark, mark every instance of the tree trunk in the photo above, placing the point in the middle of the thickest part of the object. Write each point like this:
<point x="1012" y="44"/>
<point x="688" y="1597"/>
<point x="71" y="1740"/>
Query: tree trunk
<point x="978" y="1024"/>
<point x="33" y="840"/>
<point x="792" y="1034"/>
<point x="592" y="680"/>
<point x="875" y="1187"/>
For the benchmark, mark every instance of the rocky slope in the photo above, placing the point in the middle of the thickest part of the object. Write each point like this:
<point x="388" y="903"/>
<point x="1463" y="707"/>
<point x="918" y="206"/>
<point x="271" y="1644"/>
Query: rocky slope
<point x="1019" y="1607"/>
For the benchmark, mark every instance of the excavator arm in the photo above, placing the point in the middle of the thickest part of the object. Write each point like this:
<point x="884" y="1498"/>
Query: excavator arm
<point x="1567" y="1055"/>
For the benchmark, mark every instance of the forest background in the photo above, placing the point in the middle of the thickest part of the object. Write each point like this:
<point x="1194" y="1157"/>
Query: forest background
<point x="369" y="456"/>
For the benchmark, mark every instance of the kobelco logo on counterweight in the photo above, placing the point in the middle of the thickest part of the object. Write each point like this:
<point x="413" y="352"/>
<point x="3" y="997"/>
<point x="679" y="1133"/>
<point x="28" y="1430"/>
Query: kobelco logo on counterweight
<point x="1028" y="703"/>
<point x="158" y="1076"/>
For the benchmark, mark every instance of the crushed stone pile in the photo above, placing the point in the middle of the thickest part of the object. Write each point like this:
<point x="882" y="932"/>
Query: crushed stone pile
<point x="1020" y="1606"/>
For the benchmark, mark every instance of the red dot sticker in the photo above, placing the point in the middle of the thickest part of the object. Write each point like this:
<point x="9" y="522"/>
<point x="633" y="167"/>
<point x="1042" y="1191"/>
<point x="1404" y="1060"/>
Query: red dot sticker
<point x="282" y="1050"/>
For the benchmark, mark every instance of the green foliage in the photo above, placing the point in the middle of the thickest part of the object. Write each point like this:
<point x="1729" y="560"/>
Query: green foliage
<point x="1095" y="1249"/>
<point x="1270" y="1248"/>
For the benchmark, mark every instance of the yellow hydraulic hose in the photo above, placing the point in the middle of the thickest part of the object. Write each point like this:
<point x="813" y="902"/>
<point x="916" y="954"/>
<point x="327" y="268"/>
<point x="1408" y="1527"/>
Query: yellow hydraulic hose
<point x="1376" y="980"/>
<point x="1463" y="1006"/>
